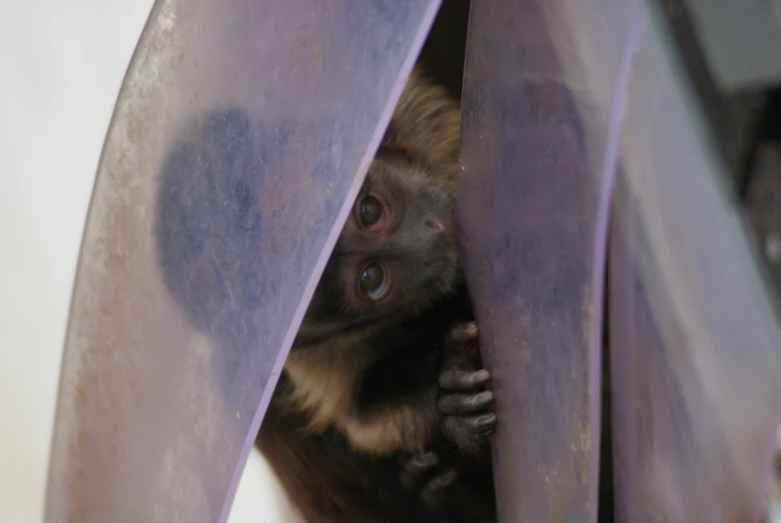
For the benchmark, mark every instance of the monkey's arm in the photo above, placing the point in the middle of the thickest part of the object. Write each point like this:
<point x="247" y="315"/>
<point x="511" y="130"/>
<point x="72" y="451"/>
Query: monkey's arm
<point x="327" y="480"/>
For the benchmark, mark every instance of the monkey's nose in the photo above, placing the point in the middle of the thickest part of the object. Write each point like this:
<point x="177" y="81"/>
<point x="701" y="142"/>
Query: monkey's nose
<point x="436" y="225"/>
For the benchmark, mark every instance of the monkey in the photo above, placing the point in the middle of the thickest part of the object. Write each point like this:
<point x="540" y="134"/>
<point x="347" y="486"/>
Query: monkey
<point x="382" y="413"/>
<point x="385" y="366"/>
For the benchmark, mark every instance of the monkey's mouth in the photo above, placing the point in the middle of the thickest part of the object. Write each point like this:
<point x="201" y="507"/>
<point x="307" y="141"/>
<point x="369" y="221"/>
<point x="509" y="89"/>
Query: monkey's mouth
<point x="437" y="262"/>
<point x="442" y="264"/>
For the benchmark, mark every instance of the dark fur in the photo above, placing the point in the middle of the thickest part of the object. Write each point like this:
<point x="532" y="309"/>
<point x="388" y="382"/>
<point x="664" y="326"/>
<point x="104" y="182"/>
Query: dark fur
<point x="360" y="391"/>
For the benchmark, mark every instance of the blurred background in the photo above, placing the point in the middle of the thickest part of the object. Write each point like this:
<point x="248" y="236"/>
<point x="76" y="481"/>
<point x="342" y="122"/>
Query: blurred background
<point x="61" y="67"/>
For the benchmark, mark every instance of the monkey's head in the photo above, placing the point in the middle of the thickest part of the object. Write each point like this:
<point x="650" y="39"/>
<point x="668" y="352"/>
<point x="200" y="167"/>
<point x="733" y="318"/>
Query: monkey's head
<point x="396" y="254"/>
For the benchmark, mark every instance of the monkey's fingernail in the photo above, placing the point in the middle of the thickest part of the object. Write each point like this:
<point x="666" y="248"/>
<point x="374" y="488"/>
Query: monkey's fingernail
<point x="481" y="376"/>
<point x="425" y="459"/>
<point x="483" y="398"/>
<point x="486" y="433"/>
<point x="485" y="420"/>
<point x="470" y="328"/>
<point x="447" y="477"/>
<point x="461" y="380"/>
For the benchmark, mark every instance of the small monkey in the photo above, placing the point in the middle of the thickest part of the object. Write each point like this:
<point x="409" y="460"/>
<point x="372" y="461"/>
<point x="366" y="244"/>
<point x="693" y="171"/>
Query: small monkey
<point x="385" y="366"/>
<point x="381" y="414"/>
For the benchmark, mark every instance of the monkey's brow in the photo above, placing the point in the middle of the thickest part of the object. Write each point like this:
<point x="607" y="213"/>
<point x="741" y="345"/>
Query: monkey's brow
<point x="343" y="252"/>
<point x="389" y="252"/>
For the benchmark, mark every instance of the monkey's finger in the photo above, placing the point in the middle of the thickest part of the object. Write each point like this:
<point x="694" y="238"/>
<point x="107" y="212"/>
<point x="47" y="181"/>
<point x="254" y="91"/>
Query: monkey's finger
<point x="486" y="433"/>
<point x="414" y="468"/>
<point x="432" y="491"/>
<point x="463" y="380"/>
<point x="465" y="403"/>
<point x="481" y="423"/>
<point x="464" y="333"/>
<point x="469" y="433"/>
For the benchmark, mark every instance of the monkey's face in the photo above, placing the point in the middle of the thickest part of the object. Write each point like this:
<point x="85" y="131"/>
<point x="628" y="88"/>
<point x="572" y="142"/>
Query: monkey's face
<point x="395" y="255"/>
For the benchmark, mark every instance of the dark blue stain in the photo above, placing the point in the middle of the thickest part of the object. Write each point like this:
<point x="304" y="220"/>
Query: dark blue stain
<point x="222" y="247"/>
<point x="246" y="201"/>
<point x="209" y="225"/>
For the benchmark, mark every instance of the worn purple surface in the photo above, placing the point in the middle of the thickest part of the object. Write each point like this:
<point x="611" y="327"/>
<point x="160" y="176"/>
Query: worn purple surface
<point x="533" y="148"/>
<point x="694" y="344"/>
<point x="240" y="132"/>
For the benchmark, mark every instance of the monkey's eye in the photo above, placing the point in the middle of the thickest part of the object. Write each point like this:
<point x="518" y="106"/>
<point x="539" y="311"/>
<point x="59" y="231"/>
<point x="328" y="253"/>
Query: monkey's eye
<point x="370" y="211"/>
<point x="372" y="280"/>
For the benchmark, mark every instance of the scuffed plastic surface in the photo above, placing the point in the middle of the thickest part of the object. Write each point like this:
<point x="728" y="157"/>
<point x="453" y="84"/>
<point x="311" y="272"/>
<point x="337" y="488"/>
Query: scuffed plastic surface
<point x="695" y="346"/>
<point x="240" y="131"/>
<point x="558" y="96"/>
<point x="533" y="149"/>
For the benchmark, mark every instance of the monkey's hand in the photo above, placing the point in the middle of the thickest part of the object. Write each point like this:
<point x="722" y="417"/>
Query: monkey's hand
<point x="463" y="404"/>
<point x="422" y="474"/>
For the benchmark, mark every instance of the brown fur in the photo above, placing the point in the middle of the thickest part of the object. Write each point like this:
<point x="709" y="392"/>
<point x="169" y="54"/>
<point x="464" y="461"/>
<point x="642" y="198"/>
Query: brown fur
<point x="428" y="121"/>
<point x="324" y="378"/>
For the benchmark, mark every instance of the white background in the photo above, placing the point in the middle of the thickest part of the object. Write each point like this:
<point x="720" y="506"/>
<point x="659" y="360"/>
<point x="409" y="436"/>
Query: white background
<point x="61" y="66"/>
